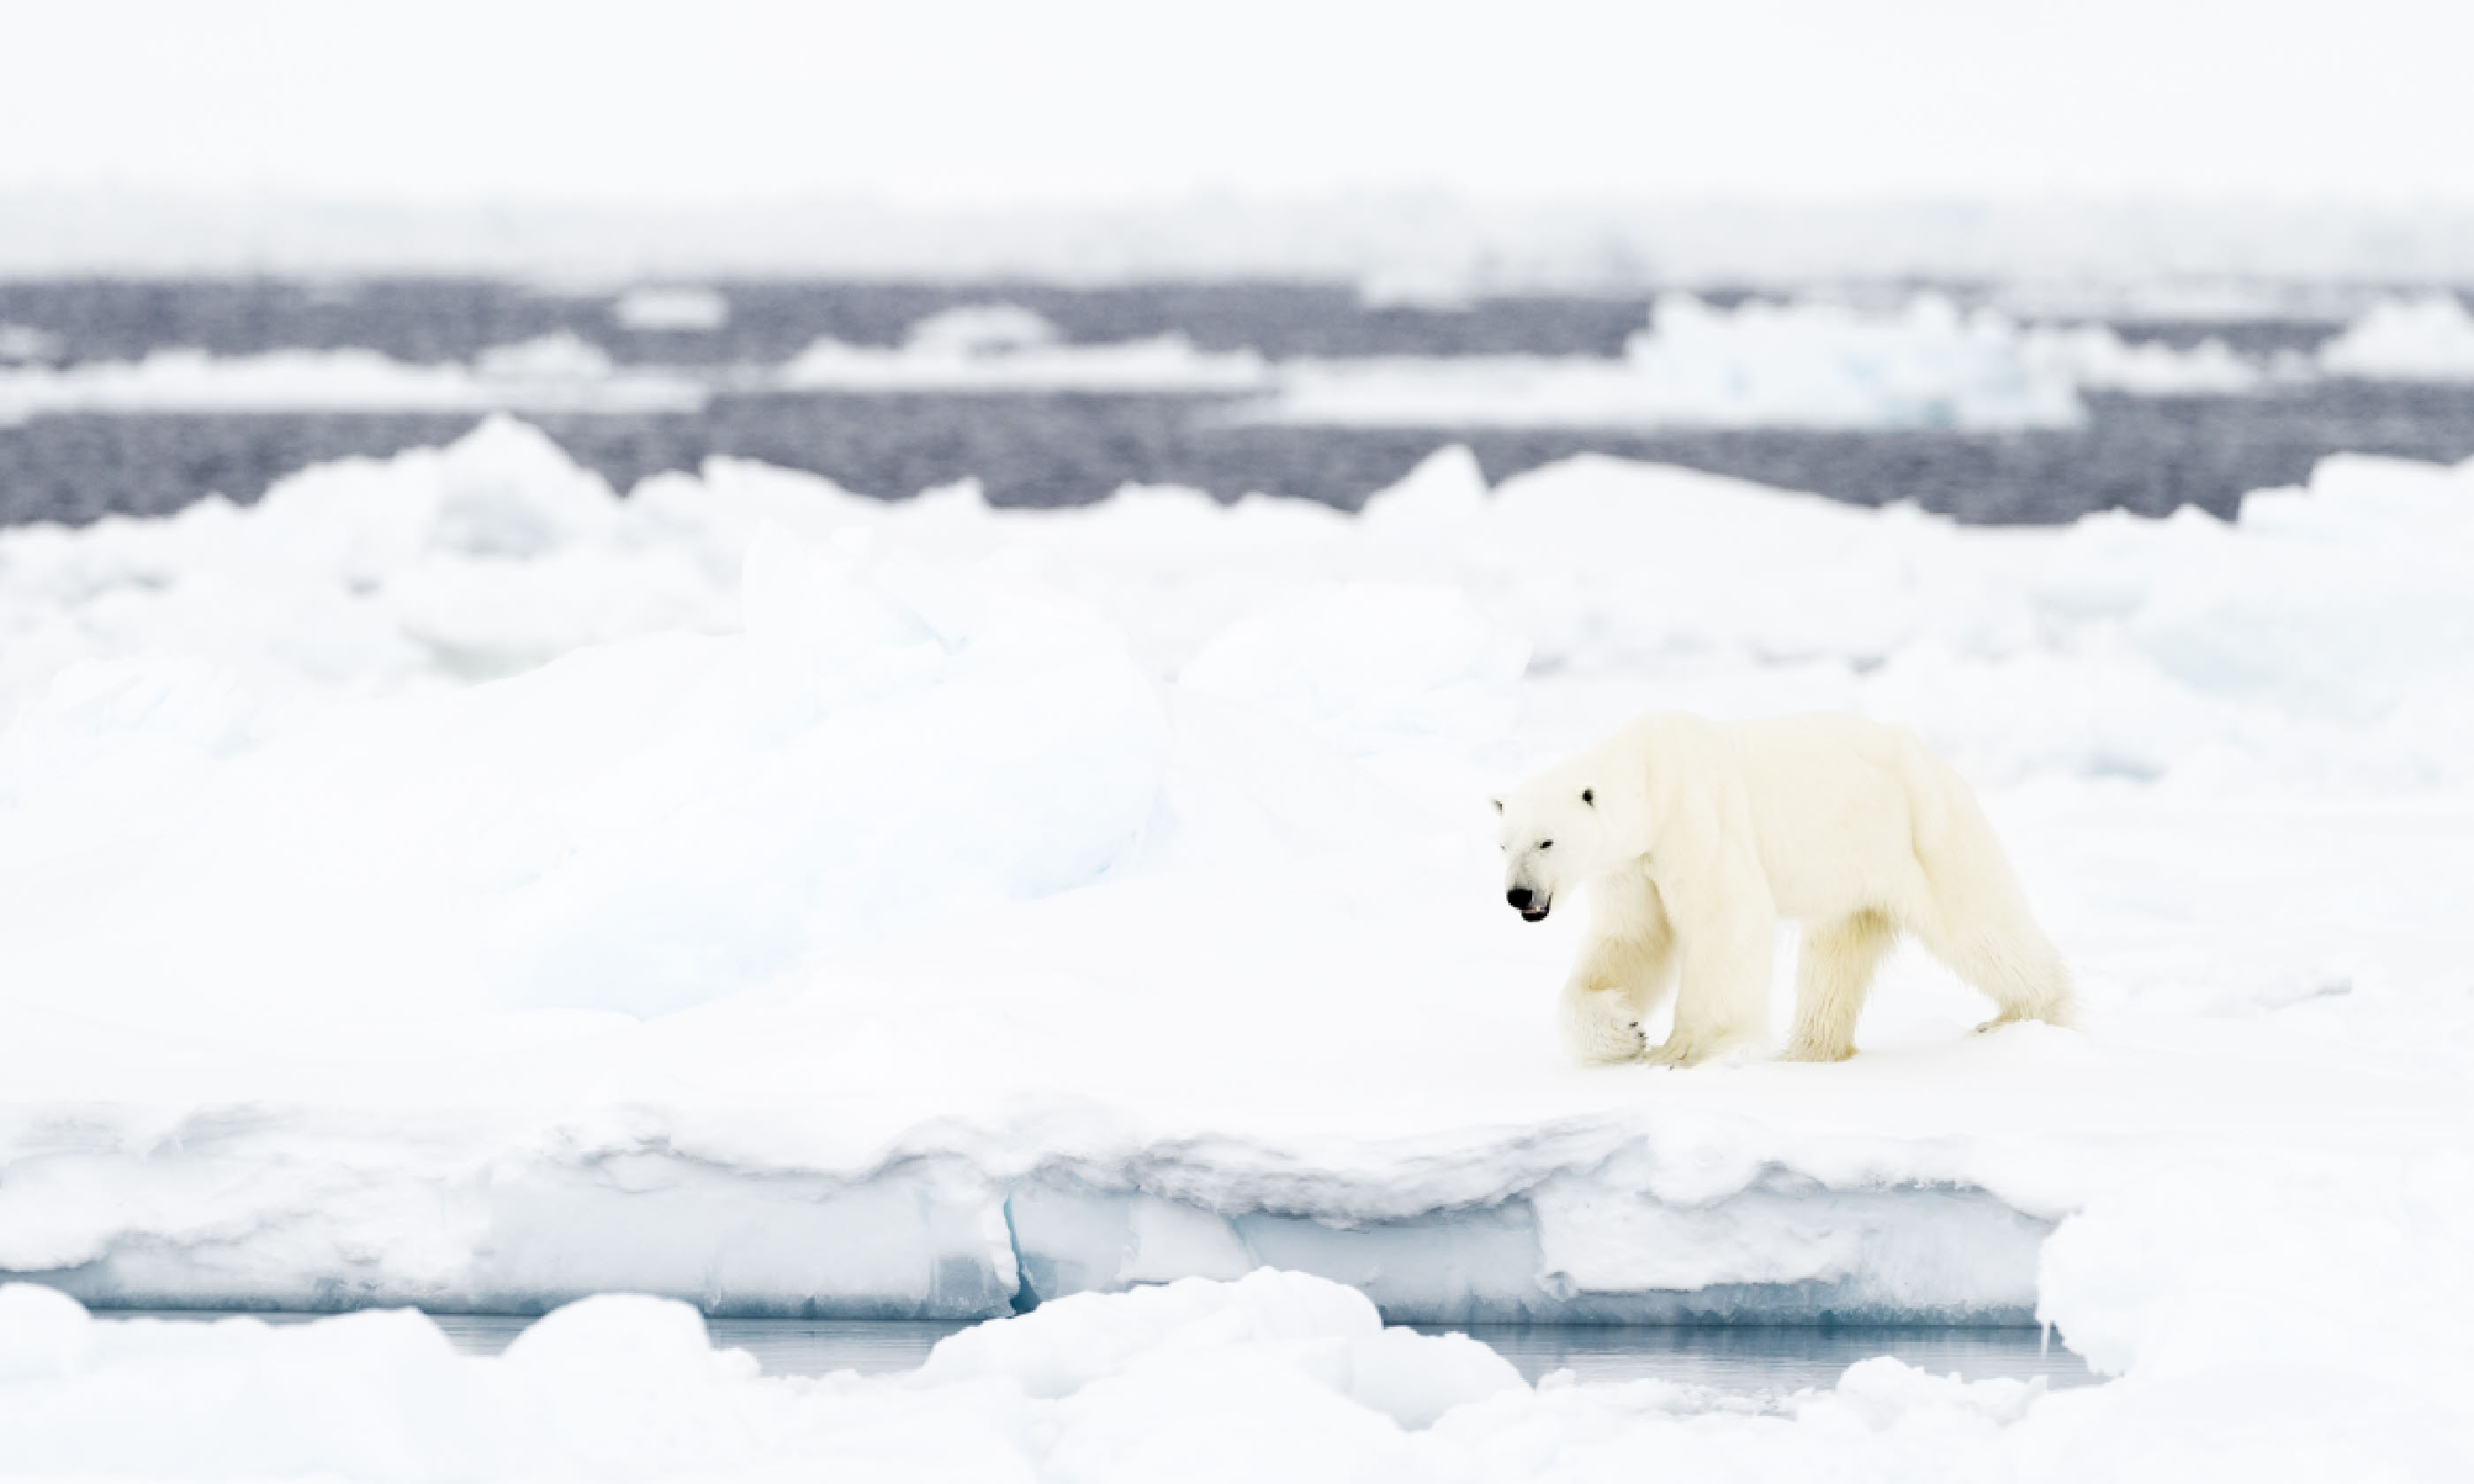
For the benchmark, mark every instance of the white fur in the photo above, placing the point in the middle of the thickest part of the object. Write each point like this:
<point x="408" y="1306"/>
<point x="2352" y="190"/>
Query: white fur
<point x="1697" y="838"/>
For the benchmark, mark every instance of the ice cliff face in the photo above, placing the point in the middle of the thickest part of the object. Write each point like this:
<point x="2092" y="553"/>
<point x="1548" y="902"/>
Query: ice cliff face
<point x="1583" y="1223"/>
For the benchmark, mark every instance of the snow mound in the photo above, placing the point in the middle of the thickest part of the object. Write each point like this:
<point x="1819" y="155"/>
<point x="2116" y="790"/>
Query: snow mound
<point x="2430" y="338"/>
<point x="490" y="556"/>
<point x="1311" y="1323"/>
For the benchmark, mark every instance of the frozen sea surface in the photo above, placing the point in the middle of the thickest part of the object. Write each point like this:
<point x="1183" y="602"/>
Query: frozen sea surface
<point x="449" y="882"/>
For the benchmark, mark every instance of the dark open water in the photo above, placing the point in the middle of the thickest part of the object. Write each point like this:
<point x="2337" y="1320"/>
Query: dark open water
<point x="2151" y="455"/>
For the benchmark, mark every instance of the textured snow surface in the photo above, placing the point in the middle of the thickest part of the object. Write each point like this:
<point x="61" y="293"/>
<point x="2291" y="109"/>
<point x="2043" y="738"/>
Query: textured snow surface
<point x="1272" y="1376"/>
<point x="449" y="882"/>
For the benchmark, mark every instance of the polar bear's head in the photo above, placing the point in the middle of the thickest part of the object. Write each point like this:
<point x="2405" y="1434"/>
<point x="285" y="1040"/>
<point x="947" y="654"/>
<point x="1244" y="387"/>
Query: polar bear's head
<point x="1555" y="836"/>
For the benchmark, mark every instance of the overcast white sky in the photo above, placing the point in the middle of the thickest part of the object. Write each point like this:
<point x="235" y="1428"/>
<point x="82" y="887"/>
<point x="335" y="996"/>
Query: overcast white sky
<point x="1076" y="100"/>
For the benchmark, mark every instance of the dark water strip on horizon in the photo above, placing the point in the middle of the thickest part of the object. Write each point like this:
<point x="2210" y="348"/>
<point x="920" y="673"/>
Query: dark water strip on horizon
<point x="2148" y="455"/>
<point x="448" y="319"/>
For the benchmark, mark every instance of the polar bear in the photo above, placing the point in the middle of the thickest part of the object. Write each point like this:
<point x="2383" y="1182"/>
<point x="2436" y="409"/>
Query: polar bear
<point x="1693" y="838"/>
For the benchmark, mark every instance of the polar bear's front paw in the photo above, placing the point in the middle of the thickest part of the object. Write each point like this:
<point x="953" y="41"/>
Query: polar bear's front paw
<point x="1610" y="1040"/>
<point x="1601" y="1028"/>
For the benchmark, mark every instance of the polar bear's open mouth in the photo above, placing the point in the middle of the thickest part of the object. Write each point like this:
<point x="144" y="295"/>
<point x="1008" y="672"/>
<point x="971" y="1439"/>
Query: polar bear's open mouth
<point x="1533" y="914"/>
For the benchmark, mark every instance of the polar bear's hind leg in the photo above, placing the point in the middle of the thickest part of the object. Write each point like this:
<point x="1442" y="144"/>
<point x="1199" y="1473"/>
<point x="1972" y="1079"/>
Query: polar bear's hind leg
<point x="1973" y="914"/>
<point x="2003" y="954"/>
<point x="2022" y="976"/>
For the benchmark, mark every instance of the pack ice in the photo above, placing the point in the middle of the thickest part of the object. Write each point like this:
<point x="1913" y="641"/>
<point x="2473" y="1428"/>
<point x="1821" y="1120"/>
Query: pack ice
<point x="448" y="883"/>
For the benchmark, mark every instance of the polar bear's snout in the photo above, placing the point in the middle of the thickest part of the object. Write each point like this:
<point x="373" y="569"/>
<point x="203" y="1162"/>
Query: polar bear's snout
<point x="1532" y="867"/>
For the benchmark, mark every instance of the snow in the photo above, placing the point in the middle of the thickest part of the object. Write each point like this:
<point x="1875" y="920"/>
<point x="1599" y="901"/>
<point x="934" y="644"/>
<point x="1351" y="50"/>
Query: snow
<point x="1796" y="364"/>
<point x="983" y="329"/>
<point x="1270" y="1376"/>
<point x="554" y="372"/>
<point x="1006" y="347"/>
<point x="2096" y="358"/>
<point x="680" y="307"/>
<point x="449" y="882"/>
<point x="2429" y="338"/>
<point x="25" y="343"/>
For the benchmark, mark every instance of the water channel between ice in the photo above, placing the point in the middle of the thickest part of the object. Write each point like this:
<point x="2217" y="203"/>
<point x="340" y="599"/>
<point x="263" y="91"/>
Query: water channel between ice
<point x="1750" y="1359"/>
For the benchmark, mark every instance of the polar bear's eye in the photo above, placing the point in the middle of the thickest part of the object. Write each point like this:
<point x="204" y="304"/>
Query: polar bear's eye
<point x="1545" y="845"/>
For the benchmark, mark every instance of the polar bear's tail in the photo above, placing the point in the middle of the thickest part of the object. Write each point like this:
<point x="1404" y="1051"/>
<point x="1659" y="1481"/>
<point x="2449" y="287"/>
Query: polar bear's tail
<point x="1978" y="921"/>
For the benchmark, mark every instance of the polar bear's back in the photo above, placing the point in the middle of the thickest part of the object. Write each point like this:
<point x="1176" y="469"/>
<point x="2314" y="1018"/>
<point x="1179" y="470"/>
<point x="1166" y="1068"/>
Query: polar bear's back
<point x="1837" y="804"/>
<point x="1847" y="813"/>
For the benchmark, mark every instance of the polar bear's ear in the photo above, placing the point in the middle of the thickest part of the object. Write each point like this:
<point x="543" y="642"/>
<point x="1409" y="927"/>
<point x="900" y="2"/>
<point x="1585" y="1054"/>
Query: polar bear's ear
<point x="1498" y="801"/>
<point x="1588" y="796"/>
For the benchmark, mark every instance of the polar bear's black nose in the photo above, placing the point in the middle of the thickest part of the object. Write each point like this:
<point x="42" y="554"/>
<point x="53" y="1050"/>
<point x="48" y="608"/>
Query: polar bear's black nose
<point x="1518" y="896"/>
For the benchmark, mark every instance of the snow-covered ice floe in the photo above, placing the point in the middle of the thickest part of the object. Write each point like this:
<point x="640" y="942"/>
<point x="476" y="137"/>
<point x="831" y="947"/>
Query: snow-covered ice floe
<point x="448" y="882"/>
<point x="1930" y="365"/>
<point x="671" y="307"/>
<point x="2429" y="338"/>
<point x="1004" y="348"/>
<point x="558" y="372"/>
<point x="25" y="343"/>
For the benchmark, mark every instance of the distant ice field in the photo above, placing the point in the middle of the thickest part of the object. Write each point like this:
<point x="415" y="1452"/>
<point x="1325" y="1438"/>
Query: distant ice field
<point x="140" y="397"/>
